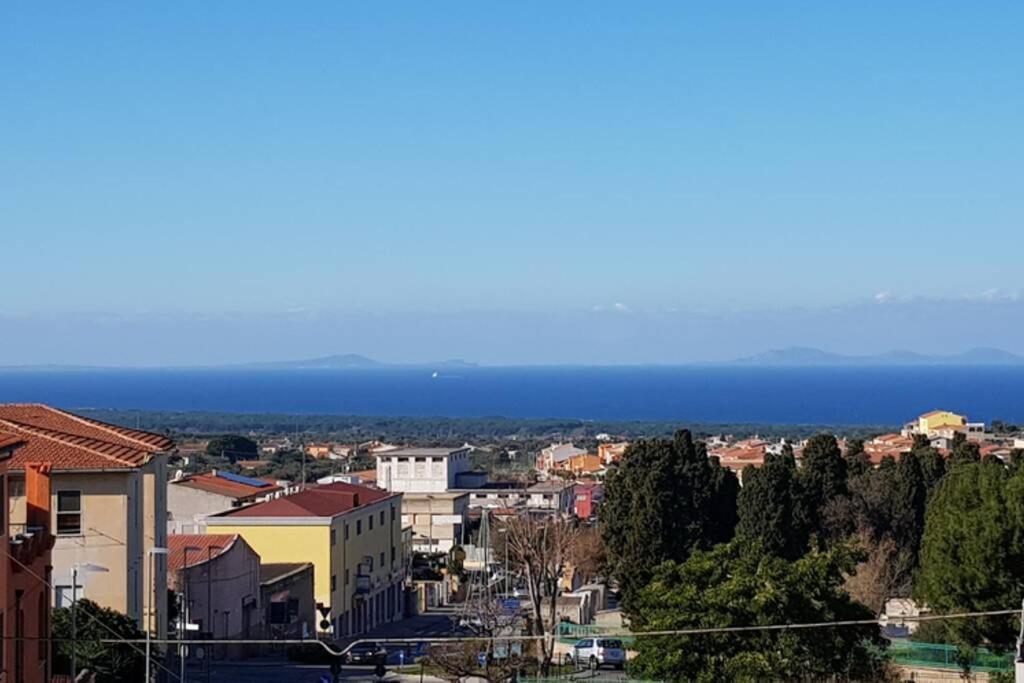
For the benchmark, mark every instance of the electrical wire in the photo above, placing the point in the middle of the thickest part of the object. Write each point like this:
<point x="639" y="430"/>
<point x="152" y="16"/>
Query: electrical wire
<point x="117" y="637"/>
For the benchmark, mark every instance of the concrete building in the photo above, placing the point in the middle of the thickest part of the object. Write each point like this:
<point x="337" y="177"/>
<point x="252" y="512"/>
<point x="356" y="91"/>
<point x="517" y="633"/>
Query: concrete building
<point x="352" y="535"/>
<point x="612" y="452"/>
<point x="191" y="498"/>
<point x="286" y="593"/>
<point x="217" y="577"/>
<point x="587" y="498"/>
<point x="108" y="503"/>
<point x="422" y="470"/>
<point x="24" y="572"/>
<point x="436" y="519"/>
<point x="429" y="480"/>
<point x="554" y="496"/>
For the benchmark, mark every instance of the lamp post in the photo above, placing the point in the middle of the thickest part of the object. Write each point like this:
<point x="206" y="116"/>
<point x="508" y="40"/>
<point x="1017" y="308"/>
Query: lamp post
<point x="152" y="553"/>
<point x="84" y="568"/>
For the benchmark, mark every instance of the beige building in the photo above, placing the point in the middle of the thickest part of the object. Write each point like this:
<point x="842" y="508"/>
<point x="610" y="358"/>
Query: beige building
<point x="352" y="535"/>
<point x="109" y="506"/>
<point x="191" y="497"/>
<point x="436" y="519"/>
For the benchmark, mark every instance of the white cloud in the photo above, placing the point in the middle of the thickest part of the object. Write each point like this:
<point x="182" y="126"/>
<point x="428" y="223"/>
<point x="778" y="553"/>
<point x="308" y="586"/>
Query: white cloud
<point x="882" y="297"/>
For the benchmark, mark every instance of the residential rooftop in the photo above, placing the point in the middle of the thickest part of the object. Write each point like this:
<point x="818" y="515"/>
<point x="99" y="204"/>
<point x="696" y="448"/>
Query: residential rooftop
<point x="422" y="452"/>
<point x="226" y="484"/>
<point x="329" y="500"/>
<point x="196" y="549"/>
<point x="70" y="442"/>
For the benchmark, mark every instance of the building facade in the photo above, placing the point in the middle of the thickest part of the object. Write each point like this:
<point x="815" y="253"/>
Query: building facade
<point x="191" y="498"/>
<point x="25" y="597"/>
<point x="108" y="506"/>
<point x="352" y="535"/>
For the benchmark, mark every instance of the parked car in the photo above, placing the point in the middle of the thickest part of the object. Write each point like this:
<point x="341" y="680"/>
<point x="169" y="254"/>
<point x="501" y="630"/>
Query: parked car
<point x="366" y="653"/>
<point x="596" y="652"/>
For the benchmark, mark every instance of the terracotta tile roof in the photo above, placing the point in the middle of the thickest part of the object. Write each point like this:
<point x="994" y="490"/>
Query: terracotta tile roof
<point x="201" y="547"/>
<point x="70" y="442"/>
<point x="214" y="483"/>
<point x="9" y="441"/>
<point x="323" y="501"/>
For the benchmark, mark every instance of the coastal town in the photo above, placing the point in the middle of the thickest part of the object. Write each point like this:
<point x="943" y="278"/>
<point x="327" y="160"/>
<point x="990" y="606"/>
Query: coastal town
<point x="399" y="545"/>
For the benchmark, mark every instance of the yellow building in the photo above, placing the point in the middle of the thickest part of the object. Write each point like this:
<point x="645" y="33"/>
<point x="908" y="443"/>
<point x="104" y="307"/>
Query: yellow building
<point x="937" y="420"/>
<point x="351" y="534"/>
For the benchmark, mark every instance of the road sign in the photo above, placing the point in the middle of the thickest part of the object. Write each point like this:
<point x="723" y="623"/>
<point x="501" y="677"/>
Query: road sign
<point x="325" y="625"/>
<point x="324" y="609"/>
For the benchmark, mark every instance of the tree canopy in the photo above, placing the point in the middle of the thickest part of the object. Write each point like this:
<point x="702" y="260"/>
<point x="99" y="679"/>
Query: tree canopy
<point x="738" y="585"/>
<point x="972" y="552"/>
<point x="769" y="507"/>
<point x="96" y="624"/>
<point x="233" y="447"/>
<point x="664" y="500"/>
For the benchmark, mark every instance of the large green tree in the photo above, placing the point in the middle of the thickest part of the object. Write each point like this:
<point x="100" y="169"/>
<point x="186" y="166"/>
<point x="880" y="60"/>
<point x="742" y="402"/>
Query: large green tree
<point x="111" y="662"/>
<point x="822" y="479"/>
<point x="972" y="553"/>
<point x="768" y="507"/>
<point x="233" y="447"/>
<point x="738" y="585"/>
<point x="665" y="499"/>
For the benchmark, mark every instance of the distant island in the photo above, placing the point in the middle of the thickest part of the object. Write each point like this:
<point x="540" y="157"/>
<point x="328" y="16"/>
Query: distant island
<point x="809" y="357"/>
<point x="795" y="357"/>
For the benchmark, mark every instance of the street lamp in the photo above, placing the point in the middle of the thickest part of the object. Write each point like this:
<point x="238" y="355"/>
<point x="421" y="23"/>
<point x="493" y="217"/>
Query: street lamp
<point x="152" y="553"/>
<point x="84" y="568"/>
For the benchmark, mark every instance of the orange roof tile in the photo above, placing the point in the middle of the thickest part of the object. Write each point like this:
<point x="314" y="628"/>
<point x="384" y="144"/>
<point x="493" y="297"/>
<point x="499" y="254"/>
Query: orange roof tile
<point x="212" y="482"/>
<point x="201" y="547"/>
<point x="10" y="441"/>
<point x="70" y="442"/>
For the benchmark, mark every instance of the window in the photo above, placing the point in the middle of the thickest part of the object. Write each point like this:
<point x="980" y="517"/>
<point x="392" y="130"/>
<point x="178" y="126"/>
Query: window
<point x="42" y="629"/>
<point x="346" y="531"/>
<point x="346" y="577"/>
<point x="382" y="560"/>
<point x="369" y="521"/>
<point x="392" y="513"/>
<point x="359" y="527"/>
<point x="334" y="537"/>
<point x="382" y="518"/>
<point x="69" y="513"/>
<point x="334" y="583"/>
<point x="392" y="556"/>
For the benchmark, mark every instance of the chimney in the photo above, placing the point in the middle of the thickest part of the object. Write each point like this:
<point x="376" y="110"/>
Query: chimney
<point x="355" y="500"/>
<point x="37" y="495"/>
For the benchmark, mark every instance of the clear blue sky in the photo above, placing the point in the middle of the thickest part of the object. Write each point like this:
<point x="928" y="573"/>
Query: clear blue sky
<point x="430" y="162"/>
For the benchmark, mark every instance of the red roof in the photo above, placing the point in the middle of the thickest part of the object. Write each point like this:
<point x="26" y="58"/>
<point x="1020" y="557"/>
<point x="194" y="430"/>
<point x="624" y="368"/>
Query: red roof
<point x="323" y="501"/>
<point x="70" y="442"/>
<point x="201" y="547"/>
<point x="209" y="481"/>
<point x="9" y="441"/>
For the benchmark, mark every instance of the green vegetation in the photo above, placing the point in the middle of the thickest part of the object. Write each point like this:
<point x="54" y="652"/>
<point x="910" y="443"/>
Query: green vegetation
<point x="232" y="448"/>
<point x="665" y="500"/>
<point x="95" y="624"/>
<point x="972" y="554"/>
<point x="736" y="585"/>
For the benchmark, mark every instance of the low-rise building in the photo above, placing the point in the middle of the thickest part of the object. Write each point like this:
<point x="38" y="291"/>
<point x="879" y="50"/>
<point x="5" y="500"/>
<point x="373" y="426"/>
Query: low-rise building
<point x="612" y="452"/>
<point x="555" y="456"/>
<point x="108" y="506"/>
<point x="553" y="496"/>
<point x="436" y="519"/>
<point x="217" y="578"/>
<point x="587" y="498"/>
<point x="24" y="573"/>
<point x="422" y="470"/>
<point x="352" y="535"/>
<point x="191" y="498"/>
<point x="585" y="465"/>
<point x="286" y="593"/>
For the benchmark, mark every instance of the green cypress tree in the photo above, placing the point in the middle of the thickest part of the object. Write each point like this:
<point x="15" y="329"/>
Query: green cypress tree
<point x="821" y="478"/>
<point x="665" y="499"/>
<point x="767" y="508"/>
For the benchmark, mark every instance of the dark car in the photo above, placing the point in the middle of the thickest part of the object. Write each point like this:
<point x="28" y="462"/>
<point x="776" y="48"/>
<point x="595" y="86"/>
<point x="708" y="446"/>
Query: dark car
<point x="366" y="653"/>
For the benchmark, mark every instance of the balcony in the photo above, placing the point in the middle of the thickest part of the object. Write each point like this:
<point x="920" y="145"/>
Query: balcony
<point x="27" y="544"/>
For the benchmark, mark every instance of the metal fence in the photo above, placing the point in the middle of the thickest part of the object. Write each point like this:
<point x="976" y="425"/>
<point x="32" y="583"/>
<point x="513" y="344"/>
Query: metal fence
<point x="931" y="655"/>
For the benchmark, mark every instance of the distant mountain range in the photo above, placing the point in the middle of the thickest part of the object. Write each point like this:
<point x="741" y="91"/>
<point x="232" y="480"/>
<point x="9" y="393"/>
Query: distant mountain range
<point x="348" y="361"/>
<point x="808" y="357"/>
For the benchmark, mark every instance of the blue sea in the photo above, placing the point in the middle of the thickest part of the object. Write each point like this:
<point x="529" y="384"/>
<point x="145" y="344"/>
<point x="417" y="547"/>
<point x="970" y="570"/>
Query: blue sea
<point x="846" y="396"/>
